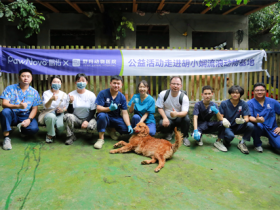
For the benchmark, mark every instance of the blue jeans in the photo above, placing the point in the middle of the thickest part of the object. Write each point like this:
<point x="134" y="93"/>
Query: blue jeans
<point x="8" y="118"/>
<point x="104" y="121"/>
<point x="227" y="134"/>
<point x="136" y="119"/>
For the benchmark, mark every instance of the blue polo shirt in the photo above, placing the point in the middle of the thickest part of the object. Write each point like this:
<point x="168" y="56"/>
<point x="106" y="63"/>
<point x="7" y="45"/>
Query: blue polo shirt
<point x="14" y="95"/>
<point x="267" y="111"/>
<point x="231" y="113"/>
<point x="148" y="105"/>
<point x="203" y="113"/>
<point x="104" y="99"/>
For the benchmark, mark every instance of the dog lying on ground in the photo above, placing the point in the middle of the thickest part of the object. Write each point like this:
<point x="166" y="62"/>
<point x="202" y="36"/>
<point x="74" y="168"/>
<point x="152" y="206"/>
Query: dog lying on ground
<point x="142" y="143"/>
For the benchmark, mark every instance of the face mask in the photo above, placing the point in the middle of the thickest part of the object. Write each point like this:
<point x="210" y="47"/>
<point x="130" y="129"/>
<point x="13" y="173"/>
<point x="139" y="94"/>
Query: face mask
<point x="81" y="85"/>
<point x="56" y="86"/>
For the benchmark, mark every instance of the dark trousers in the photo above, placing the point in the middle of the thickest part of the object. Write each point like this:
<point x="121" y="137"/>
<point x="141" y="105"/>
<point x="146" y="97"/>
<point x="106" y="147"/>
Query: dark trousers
<point x="103" y="121"/>
<point x="260" y="130"/>
<point x="227" y="134"/>
<point x="180" y="122"/>
<point x="209" y="127"/>
<point x="8" y="118"/>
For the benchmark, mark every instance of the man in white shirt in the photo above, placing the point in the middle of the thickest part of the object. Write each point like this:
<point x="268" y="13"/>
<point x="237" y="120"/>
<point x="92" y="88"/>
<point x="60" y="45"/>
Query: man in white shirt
<point x="173" y="106"/>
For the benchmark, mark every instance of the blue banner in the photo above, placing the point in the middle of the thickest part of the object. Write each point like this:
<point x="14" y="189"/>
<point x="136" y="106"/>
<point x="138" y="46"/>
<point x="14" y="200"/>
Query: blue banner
<point x="61" y="62"/>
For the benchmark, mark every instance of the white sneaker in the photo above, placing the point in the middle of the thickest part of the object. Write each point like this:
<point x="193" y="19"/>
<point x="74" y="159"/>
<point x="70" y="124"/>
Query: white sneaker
<point x="220" y="146"/>
<point x="200" y="142"/>
<point x="186" y="142"/>
<point x="98" y="144"/>
<point x="112" y="134"/>
<point x="7" y="144"/>
<point x="168" y="136"/>
<point x="259" y="149"/>
<point x="48" y="140"/>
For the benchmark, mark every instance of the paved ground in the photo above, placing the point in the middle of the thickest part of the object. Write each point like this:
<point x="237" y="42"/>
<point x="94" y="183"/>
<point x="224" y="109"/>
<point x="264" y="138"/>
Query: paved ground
<point x="35" y="175"/>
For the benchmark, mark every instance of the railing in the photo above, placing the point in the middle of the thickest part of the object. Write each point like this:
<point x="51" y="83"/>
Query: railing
<point x="192" y="84"/>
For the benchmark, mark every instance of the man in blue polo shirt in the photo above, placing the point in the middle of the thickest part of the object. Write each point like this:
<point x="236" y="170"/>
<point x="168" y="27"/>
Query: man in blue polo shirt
<point x="20" y="105"/>
<point x="236" y="112"/>
<point x="263" y="110"/>
<point x="203" y="112"/>
<point x="109" y="103"/>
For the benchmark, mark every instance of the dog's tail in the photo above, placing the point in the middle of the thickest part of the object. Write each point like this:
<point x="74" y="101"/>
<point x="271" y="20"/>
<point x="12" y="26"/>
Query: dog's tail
<point x="178" y="142"/>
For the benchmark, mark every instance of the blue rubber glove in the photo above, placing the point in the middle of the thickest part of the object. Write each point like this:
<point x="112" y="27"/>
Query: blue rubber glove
<point x="113" y="106"/>
<point x="136" y="100"/>
<point x="130" y="129"/>
<point x="196" y="135"/>
<point x="214" y="109"/>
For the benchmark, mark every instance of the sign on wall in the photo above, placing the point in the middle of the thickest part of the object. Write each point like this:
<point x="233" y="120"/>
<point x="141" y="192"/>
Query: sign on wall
<point x="130" y="62"/>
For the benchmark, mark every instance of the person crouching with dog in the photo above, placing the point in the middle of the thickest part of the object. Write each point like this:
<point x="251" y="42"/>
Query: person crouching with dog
<point x="110" y="103"/>
<point x="203" y="112"/>
<point x="20" y="105"/>
<point x="143" y="106"/>
<point x="173" y="106"/>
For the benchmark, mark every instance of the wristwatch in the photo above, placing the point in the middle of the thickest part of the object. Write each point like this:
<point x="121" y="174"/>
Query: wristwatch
<point x="30" y="119"/>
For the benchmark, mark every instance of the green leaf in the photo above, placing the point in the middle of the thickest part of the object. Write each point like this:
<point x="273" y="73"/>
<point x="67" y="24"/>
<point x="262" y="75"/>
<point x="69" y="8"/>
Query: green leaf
<point x="1" y="14"/>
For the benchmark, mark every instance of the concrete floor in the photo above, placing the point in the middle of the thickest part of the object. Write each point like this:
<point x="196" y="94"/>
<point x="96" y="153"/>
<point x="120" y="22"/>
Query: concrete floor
<point x="36" y="175"/>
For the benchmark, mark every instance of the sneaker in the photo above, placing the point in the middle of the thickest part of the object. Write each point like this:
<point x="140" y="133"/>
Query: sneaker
<point x="98" y="144"/>
<point x="7" y="144"/>
<point x="48" y="140"/>
<point x="243" y="148"/>
<point x="200" y="143"/>
<point x="259" y="149"/>
<point x="168" y="136"/>
<point x="186" y="142"/>
<point x="220" y="146"/>
<point x="70" y="140"/>
<point x="112" y="134"/>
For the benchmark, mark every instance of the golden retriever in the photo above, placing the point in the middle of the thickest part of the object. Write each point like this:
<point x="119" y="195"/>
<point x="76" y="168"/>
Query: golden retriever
<point x="143" y="143"/>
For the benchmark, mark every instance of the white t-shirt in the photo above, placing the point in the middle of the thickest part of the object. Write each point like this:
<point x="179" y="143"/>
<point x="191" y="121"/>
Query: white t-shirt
<point x="83" y="103"/>
<point x="172" y="102"/>
<point x="48" y="94"/>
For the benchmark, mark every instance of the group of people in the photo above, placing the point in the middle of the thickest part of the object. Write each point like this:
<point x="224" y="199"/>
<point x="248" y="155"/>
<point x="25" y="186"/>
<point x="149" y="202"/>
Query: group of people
<point x="109" y="112"/>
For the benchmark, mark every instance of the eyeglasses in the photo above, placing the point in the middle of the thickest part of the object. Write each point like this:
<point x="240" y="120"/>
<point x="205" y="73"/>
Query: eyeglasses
<point x="259" y="90"/>
<point x="175" y="84"/>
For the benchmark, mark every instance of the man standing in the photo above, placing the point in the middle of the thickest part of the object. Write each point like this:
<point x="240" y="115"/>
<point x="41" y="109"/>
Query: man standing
<point x="20" y="105"/>
<point x="109" y="103"/>
<point x="263" y="110"/>
<point x="203" y="111"/>
<point x="173" y="106"/>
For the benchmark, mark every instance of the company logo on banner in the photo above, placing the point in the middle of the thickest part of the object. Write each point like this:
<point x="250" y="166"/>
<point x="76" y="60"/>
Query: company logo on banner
<point x="62" y="62"/>
<point x="130" y="62"/>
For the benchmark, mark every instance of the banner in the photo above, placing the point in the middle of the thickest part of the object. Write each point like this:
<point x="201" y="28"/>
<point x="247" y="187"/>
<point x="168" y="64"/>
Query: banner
<point x="130" y="62"/>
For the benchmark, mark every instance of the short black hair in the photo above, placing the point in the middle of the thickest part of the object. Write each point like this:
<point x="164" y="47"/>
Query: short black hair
<point x="259" y="84"/>
<point x="236" y="88"/>
<point x="25" y="70"/>
<point x="78" y="76"/>
<point x="55" y="76"/>
<point x="116" y="77"/>
<point x="175" y="77"/>
<point x="207" y="87"/>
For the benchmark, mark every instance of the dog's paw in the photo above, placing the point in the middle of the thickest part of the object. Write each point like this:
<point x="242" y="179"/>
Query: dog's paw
<point x="144" y="162"/>
<point x="112" y="151"/>
<point x="157" y="170"/>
